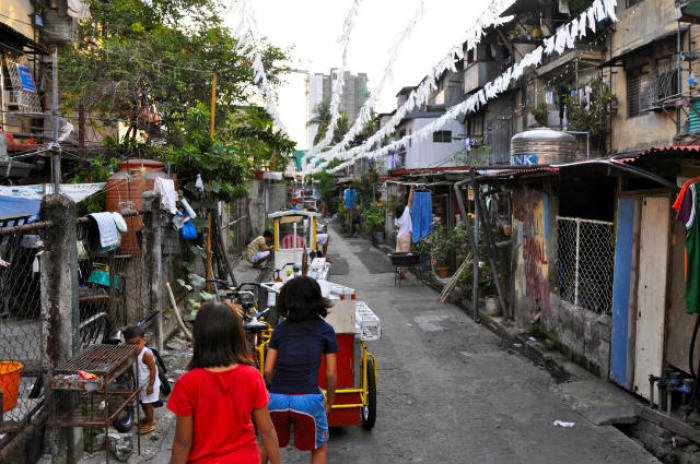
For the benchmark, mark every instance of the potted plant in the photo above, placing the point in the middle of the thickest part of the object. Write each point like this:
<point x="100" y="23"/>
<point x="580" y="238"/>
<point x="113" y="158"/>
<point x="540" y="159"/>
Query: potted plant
<point x="373" y="220"/>
<point x="422" y="247"/>
<point x="441" y="247"/>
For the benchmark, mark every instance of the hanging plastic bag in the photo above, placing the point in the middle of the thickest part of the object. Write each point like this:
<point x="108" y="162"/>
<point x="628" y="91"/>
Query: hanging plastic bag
<point x="188" y="230"/>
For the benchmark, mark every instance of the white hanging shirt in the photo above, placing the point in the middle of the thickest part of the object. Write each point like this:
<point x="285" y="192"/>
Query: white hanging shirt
<point x="404" y="222"/>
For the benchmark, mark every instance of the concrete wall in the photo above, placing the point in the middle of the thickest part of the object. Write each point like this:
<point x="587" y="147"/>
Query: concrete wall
<point x="642" y="23"/>
<point x="256" y="207"/>
<point x="643" y="131"/>
<point x="264" y="197"/>
<point x="532" y="253"/>
<point x="18" y="15"/>
<point x="585" y="334"/>
<point x="425" y="153"/>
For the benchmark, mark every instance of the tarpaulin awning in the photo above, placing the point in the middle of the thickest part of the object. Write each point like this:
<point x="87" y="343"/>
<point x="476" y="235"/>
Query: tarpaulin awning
<point x="26" y="199"/>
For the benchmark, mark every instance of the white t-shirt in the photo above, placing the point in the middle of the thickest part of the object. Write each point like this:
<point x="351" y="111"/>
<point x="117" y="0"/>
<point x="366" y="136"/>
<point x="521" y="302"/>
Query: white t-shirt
<point x="404" y="222"/>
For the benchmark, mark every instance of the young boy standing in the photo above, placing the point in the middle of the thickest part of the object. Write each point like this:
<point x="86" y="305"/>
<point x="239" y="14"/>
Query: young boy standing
<point x="146" y="372"/>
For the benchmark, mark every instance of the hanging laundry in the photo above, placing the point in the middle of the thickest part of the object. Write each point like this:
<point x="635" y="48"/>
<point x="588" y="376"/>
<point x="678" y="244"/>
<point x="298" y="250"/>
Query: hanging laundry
<point x="589" y="93"/>
<point x="198" y="184"/>
<point x="350" y="198"/>
<point x="421" y="215"/>
<point x="686" y="205"/>
<point x="681" y="195"/>
<point x="119" y="222"/>
<point x="168" y="195"/>
<point x="107" y="228"/>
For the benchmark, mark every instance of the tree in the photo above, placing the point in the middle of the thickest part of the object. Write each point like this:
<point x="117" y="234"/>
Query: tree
<point x="322" y="118"/>
<point x="223" y="167"/>
<point x="149" y="62"/>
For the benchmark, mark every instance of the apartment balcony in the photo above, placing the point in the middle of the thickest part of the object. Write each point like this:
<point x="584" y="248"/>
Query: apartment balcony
<point x="478" y="74"/>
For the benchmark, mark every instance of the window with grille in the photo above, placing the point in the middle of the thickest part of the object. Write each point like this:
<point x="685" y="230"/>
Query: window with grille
<point x="638" y="93"/>
<point x="652" y="90"/>
<point x="442" y="137"/>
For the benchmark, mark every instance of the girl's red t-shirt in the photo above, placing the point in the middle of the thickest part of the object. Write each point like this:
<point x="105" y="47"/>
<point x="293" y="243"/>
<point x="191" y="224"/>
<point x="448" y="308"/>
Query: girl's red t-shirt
<point x="221" y="404"/>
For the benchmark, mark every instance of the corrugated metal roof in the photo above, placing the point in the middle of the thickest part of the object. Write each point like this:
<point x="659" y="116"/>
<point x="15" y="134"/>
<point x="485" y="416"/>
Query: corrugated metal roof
<point x="672" y="148"/>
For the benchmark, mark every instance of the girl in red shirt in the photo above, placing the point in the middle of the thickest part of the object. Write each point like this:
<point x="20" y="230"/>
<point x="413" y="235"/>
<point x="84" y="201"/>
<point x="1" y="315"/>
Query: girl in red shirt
<point x="215" y="399"/>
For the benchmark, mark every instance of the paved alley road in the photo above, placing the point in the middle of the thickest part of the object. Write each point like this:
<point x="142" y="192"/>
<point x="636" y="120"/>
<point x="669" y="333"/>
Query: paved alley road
<point x="449" y="392"/>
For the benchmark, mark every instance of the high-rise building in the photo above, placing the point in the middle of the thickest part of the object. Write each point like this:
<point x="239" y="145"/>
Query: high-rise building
<point x="319" y="87"/>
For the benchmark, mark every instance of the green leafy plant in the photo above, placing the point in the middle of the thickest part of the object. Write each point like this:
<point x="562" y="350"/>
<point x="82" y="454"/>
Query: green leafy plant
<point x="366" y="186"/>
<point x="592" y="116"/>
<point x="342" y="212"/>
<point x="327" y="188"/>
<point x="441" y="245"/>
<point x="540" y="114"/>
<point x="373" y="217"/>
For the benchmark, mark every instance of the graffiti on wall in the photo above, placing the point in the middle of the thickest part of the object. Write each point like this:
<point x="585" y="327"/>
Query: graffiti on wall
<point x="531" y="210"/>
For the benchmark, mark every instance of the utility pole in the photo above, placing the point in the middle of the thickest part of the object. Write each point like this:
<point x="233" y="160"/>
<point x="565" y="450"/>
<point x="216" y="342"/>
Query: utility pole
<point x="209" y="219"/>
<point x="55" y="148"/>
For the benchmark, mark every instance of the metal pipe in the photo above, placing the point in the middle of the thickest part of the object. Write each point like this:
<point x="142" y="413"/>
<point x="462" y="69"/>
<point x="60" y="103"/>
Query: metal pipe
<point x="473" y="245"/>
<point x="490" y="248"/>
<point x="25" y="227"/>
<point x="679" y="75"/>
<point x="475" y="279"/>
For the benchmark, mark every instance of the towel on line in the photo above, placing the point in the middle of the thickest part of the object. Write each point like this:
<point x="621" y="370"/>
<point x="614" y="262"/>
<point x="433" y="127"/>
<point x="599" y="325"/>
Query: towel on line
<point x="168" y="195"/>
<point x="422" y="215"/>
<point x="109" y="235"/>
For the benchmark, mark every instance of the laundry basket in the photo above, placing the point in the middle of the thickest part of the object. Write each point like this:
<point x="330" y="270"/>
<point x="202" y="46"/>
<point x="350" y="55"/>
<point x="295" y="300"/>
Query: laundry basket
<point x="9" y="383"/>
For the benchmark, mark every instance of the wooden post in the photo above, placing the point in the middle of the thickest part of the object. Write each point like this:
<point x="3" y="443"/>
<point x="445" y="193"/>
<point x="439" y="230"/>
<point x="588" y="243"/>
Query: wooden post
<point x="81" y="135"/>
<point x="209" y="221"/>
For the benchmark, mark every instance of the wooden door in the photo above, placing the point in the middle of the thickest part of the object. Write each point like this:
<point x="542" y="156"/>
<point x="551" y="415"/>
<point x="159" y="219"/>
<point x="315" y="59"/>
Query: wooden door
<point x="651" y="292"/>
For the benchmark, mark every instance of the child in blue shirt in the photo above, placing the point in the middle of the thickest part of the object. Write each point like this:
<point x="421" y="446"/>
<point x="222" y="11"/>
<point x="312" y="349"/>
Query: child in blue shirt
<point x="291" y="367"/>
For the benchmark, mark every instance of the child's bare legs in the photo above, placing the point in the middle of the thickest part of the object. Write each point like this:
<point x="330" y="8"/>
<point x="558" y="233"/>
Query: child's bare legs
<point x="148" y="413"/>
<point x="318" y="456"/>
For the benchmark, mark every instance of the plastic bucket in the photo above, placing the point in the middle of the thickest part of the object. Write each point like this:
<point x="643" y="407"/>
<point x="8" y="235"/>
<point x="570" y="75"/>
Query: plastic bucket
<point x="9" y="383"/>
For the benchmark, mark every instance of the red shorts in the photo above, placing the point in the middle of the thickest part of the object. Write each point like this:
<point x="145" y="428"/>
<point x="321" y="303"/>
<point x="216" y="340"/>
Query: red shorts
<point x="306" y="413"/>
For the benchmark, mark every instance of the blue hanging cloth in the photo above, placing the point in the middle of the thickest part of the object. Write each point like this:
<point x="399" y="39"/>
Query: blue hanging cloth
<point x="422" y="215"/>
<point x="350" y="198"/>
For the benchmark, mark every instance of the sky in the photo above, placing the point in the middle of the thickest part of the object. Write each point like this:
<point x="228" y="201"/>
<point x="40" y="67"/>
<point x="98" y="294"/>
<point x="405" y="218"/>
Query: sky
<point x="309" y="30"/>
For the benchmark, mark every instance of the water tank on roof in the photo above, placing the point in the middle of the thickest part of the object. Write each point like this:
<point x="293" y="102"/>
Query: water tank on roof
<point x="541" y="146"/>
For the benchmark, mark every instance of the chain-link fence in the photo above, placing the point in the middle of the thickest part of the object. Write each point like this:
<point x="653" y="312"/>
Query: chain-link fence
<point x="586" y="262"/>
<point x="114" y="285"/>
<point x="22" y="348"/>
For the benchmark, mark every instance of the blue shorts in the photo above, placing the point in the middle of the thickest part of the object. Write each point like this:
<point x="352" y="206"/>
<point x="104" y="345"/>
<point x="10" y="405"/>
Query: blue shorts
<point x="308" y="416"/>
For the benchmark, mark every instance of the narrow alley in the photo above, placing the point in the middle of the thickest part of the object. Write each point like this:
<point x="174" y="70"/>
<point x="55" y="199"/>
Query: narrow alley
<point x="449" y="390"/>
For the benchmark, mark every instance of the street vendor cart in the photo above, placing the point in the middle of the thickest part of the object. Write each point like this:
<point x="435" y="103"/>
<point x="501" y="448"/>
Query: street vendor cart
<point x="294" y="233"/>
<point x="356" y="394"/>
<point x="354" y="324"/>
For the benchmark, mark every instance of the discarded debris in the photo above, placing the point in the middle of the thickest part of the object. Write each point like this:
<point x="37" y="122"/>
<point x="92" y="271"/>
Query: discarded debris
<point x="566" y="425"/>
